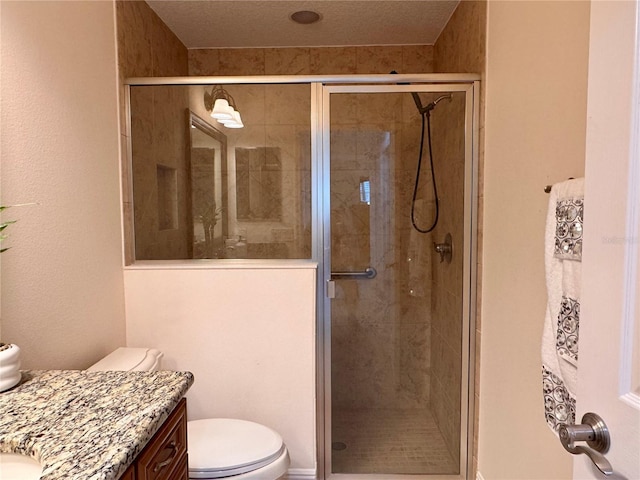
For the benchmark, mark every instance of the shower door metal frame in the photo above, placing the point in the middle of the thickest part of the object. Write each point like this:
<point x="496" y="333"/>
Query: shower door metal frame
<point x="468" y="84"/>
<point x="321" y="87"/>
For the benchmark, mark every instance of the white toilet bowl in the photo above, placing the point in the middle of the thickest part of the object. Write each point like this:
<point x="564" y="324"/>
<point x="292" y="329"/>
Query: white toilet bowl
<point x="227" y="447"/>
<point x="218" y="447"/>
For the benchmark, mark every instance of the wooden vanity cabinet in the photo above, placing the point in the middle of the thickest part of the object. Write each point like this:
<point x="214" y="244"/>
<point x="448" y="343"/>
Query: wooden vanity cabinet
<point x="165" y="456"/>
<point x="130" y="474"/>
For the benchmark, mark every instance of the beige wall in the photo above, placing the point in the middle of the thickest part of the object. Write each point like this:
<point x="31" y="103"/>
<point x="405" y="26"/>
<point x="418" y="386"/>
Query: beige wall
<point x="537" y="55"/>
<point x="251" y="359"/>
<point x="62" y="285"/>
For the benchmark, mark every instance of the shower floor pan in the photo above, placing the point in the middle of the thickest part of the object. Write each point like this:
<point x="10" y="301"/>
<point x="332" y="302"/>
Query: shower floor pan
<point x="382" y="440"/>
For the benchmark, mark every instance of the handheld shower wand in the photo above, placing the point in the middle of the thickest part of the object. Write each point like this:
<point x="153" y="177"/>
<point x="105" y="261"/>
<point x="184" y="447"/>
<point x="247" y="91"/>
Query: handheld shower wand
<point x="425" y="112"/>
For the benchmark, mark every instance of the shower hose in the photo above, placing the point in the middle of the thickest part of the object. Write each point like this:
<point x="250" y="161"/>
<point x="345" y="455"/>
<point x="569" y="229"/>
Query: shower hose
<point x="426" y="114"/>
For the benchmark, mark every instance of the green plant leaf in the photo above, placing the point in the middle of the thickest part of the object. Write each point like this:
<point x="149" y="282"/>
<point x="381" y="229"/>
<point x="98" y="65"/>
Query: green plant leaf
<point x="6" y="224"/>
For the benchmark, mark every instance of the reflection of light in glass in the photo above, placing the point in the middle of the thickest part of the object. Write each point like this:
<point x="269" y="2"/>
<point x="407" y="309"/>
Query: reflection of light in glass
<point x="386" y="142"/>
<point x="222" y="107"/>
<point x="365" y="192"/>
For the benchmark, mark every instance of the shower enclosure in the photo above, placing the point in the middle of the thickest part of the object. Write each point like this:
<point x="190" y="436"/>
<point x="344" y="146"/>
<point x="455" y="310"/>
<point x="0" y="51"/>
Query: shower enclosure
<point x="397" y="313"/>
<point x="326" y="169"/>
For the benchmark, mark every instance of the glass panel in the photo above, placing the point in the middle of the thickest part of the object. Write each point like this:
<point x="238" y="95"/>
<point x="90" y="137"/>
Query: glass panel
<point x="259" y="183"/>
<point x="203" y="190"/>
<point x="209" y="183"/>
<point x="396" y="369"/>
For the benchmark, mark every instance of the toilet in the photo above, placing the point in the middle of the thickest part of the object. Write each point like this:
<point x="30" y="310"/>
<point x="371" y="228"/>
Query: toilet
<point x="218" y="447"/>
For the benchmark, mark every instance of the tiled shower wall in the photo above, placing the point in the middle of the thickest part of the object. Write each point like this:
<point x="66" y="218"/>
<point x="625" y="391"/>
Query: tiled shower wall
<point x="147" y="48"/>
<point x="311" y="61"/>
<point x="461" y="48"/>
<point x="161" y="189"/>
<point x="380" y="327"/>
<point x="447" y="286"/>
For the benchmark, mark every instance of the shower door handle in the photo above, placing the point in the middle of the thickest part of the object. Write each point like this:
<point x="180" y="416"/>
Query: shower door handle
<point x="368" y="273"/>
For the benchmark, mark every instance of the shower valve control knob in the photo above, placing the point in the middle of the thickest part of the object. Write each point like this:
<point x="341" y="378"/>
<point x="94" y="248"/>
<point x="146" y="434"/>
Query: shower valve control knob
<point x="445" y="249"/>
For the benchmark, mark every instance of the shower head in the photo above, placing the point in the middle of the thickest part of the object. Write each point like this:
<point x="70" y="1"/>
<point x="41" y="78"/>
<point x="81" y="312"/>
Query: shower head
<point x="430" y="106"/>
<point x="448" y="96"/>
<point x="416" y="99"/>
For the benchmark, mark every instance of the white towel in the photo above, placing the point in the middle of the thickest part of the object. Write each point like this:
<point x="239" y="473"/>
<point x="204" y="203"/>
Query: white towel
<point x="563" y="265"/>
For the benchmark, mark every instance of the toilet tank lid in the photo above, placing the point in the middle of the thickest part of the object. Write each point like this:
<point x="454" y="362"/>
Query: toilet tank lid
<point x="130" y="359"/>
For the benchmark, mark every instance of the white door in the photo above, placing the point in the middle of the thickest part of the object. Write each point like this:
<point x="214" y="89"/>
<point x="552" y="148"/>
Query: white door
<point x="609" y="371"/>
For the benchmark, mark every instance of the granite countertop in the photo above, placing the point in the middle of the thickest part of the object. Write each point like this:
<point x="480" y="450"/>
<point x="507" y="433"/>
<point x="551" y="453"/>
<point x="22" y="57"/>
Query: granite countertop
<point x="87" y="425"/>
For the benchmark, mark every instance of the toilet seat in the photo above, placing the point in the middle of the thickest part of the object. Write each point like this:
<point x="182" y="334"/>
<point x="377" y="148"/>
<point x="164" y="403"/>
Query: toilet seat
<point x="225" y="447"/>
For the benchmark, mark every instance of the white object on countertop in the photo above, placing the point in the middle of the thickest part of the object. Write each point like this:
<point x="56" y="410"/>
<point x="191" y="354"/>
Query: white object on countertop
<point x="129" y="359"/>
<point x="14" y="466"/>
<point x="9" y="367"/>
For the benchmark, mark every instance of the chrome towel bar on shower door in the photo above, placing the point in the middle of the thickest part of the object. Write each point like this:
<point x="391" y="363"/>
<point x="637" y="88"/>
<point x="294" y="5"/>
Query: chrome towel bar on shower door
<point x="368" y="272"/>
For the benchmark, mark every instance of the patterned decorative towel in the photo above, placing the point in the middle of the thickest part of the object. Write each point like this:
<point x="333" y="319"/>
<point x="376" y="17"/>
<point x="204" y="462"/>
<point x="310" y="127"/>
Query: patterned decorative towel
<point x="563" y="265"/>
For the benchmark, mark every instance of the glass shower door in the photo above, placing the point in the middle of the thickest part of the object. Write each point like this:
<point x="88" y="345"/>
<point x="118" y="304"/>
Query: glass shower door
<point x="390" y="411"/>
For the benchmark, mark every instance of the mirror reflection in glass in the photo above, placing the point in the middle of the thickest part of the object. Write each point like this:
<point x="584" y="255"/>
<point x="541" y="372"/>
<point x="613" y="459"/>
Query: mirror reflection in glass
<point x="204" y="191"/>
<point x="208" y="188"/>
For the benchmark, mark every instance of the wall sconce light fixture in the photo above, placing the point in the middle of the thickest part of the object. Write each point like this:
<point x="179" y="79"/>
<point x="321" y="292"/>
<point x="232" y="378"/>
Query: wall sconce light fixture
<point x="222" y="107"/>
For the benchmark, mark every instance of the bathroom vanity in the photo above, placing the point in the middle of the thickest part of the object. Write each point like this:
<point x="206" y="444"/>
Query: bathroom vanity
<point x="99" y="425"/>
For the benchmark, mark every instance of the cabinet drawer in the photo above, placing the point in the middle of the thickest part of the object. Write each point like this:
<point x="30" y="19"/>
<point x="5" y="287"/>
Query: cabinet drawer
<point x="167" y="451"/>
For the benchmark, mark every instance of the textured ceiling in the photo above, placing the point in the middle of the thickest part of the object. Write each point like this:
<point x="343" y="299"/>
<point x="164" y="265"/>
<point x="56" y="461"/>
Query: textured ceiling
<point x="266" y="23"/>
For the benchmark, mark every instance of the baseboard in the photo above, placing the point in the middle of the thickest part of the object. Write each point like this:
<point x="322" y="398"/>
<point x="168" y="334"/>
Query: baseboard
<point x="479" y="476"/>
<point x="301" y="474"/>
